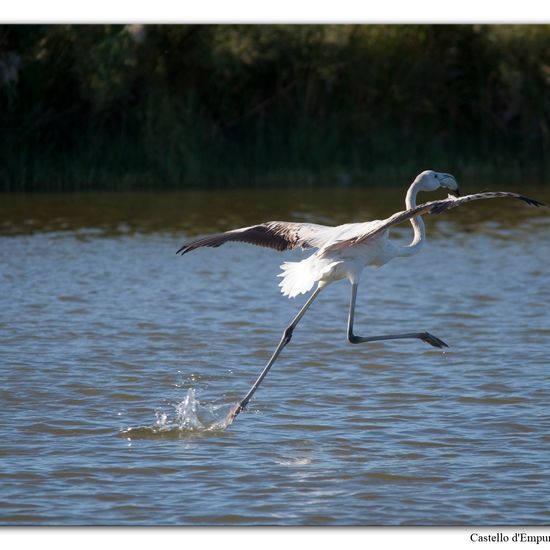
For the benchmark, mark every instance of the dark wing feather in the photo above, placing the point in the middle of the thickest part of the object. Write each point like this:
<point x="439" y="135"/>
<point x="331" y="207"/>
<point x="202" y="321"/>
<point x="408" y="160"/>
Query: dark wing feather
<point x="277" y="235"/>
<point x="433" y="207"/>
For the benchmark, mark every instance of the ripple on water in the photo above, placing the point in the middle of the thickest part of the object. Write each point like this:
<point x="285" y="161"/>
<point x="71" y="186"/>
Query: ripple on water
<point x="99" y="332"/>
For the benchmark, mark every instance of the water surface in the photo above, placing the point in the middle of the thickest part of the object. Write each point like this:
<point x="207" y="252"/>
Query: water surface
<point x="118" y="358"/>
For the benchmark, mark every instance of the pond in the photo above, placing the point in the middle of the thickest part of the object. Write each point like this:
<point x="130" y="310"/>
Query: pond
<point x="118" y="358"/>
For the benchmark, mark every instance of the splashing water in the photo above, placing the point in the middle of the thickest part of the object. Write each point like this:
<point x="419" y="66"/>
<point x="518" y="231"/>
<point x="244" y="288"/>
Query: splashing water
<point x="189" y="416"/>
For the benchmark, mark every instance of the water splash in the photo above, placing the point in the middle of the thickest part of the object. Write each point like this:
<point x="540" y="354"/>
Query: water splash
<point x="190" y="416"/>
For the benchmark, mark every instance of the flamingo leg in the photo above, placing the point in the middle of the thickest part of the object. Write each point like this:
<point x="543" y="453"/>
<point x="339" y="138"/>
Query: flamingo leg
<point x="285" y="339"/>
<point x="424" y="336"/>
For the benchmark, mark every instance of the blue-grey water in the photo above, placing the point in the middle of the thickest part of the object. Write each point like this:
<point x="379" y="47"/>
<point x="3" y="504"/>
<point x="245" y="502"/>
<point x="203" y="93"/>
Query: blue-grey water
<point x="119" y="360"/>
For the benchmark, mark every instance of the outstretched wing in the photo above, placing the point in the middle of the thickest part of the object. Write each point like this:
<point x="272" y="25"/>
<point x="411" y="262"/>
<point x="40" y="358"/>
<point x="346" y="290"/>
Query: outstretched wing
<point x="277" y="235"/>
<point x="433" y="207"/>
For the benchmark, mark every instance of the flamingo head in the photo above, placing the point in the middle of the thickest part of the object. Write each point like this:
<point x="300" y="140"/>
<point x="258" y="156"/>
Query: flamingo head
<point x="430" y="180"/>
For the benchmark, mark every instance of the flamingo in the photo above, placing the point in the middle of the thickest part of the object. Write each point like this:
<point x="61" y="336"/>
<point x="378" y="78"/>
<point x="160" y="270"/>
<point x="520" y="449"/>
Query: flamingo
<point x="343" y="252"/>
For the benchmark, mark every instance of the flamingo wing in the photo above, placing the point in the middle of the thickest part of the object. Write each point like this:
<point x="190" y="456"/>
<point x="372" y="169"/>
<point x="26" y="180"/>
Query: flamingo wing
<point x="277" y="235"/>
<point x="432" y="207"/>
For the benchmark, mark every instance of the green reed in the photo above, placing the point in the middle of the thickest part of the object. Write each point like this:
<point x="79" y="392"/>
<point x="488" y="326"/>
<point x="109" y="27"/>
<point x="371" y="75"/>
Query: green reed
<point x="120" y="107"/>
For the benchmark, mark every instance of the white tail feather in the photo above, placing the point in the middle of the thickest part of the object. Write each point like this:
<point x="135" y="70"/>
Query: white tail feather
<point x="299" y="277"/>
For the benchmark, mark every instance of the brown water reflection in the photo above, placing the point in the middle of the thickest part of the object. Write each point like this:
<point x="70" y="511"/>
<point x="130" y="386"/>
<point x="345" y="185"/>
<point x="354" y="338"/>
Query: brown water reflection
<point x="196" y="212"/>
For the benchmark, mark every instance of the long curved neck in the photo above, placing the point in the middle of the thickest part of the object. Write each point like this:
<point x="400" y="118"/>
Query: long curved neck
<point x="419" y="237"/>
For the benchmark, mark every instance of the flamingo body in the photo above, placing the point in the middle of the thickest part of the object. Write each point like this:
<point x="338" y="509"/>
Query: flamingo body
<point x="343" y="252"/>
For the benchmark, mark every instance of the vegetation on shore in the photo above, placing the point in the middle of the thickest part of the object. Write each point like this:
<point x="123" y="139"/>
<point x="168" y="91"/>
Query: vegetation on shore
<point x="179" y="106"/>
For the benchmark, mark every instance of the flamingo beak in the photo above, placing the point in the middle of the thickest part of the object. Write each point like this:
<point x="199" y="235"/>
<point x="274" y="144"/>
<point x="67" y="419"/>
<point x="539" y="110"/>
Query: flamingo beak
<point x="451" y="184"/>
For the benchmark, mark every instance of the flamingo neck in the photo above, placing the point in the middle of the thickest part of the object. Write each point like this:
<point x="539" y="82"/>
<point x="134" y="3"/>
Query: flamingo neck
<point x="419" y="237"/>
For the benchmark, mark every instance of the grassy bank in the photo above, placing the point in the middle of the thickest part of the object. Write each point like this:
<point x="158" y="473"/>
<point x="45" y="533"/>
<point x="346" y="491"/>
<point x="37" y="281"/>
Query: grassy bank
<point x="101" y="107"/>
